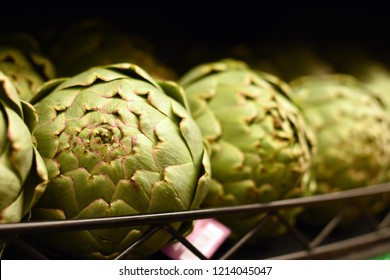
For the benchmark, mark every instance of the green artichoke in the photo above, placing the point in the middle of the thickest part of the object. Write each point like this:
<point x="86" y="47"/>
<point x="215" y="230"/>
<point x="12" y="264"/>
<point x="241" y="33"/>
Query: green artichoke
<point x="95" y="42"/>
<point x="23" y="174"/>
<point x="23" y="61"/>
<point x="365" y="67"/>
<point x="116" y="142"/>
<point x="260" y="147"/>
<point x="352" y="133"/>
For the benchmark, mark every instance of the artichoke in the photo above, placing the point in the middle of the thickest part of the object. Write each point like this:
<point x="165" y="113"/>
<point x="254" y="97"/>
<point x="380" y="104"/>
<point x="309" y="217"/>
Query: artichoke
<point x="116" y="142"/>
<point x="260" y="147"/>
<point x="95" y="42"/>
<point x="25" y="64"/>
<point x="23" y="174"/>
<point x="352" y="132"/>
<point x="364" y="66"/>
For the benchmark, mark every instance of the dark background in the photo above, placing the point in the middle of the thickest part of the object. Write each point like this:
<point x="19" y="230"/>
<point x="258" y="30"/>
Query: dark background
<point x="216" y="21"/>
<point x="174" y="28"/>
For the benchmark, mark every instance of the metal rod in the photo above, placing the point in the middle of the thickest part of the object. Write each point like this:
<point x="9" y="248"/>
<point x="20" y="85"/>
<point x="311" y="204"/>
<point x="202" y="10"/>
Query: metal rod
<point x="158" y="218"/>
<point x="346" y="244"/>
<point x="330" y="226"/>
<point x="385" y="222"/>
<point x="185" y="242"/>
<point x="300" y="237"/>
<point x="246" y="237"/>
<point x="137" y="243"/>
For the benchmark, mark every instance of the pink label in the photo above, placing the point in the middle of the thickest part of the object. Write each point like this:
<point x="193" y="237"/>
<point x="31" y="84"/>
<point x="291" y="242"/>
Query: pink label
<point x="207" y="236"/>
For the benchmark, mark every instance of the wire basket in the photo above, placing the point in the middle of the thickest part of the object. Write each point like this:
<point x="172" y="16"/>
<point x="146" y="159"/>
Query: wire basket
<point x="368" y="237"/>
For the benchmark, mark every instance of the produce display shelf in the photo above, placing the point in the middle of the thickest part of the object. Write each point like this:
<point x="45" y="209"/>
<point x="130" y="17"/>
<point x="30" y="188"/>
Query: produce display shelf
<point x="367" y="238"/>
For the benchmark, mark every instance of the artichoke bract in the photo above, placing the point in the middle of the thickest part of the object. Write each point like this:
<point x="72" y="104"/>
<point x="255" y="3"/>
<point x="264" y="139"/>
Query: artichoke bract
<point x="352" y="132"/>
<point x="116" y="142"/>
<point x="23" y="174"/>
<point x="25" y="64"/>
<point x="260" y="147"/>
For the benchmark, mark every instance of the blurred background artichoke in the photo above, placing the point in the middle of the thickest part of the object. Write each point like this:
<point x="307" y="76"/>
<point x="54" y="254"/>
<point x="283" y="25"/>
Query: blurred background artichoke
<point x="95" y="42"/>
<point x="353" y="138"/>
<point x="24" y="62"/>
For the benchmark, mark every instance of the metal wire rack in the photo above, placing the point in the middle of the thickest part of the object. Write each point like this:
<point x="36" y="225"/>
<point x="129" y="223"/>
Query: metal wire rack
<point x="366" y="238"/>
